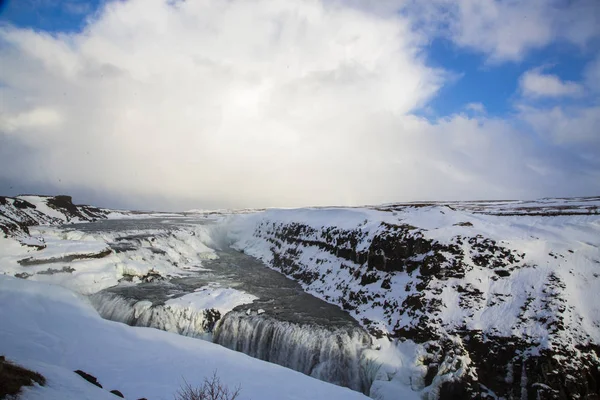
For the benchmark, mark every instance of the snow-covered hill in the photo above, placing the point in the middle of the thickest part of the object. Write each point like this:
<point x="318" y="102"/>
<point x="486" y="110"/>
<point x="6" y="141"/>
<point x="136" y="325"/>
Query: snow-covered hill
<point x="18" y="213"/>
<point x="501" y="298"/>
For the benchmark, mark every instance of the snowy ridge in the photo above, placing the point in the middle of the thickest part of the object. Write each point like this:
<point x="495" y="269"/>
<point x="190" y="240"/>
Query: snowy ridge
<point x="460" y="283"/>
<point x="541" y="207"/>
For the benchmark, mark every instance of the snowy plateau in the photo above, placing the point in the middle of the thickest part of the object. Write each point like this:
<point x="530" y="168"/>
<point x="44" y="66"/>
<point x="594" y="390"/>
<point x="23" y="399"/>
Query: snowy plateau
<point x="438" y="300"/>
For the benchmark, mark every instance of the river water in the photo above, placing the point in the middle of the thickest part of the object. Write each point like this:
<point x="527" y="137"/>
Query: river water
<point x="293" y="329"/>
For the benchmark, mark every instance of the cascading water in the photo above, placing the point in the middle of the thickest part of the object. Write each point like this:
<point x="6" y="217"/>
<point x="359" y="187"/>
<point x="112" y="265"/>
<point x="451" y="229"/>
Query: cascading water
<point x="330" y="355"/>
<point x="184" y="321"/>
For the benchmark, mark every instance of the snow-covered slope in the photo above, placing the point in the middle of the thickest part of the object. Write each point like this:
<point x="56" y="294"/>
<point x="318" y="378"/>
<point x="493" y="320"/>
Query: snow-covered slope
<point x="53" y="331"/>
<point x="500" y="298"/>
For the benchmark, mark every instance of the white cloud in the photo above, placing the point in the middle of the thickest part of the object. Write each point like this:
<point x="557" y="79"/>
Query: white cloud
<point x="536" y="84"/>
<point x="567" y="125"/>
<point x="76" y="7"/>
<point x="507" y="30"/>
<point x="38" y="118"/>
<point x="476" y="107"/>
<point x="252" y="103"/>
<point x="592" y="75"/>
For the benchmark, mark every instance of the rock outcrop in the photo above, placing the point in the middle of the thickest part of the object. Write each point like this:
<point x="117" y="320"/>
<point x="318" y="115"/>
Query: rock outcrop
<point x="19" y="213"/>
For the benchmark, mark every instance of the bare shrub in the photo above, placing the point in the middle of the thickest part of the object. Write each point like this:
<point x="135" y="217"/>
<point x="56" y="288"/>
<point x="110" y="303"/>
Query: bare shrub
<point x="211" y="389"/>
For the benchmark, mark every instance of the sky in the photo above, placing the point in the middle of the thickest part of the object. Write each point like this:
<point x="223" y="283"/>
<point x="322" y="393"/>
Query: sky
<point x="174" y="105"/>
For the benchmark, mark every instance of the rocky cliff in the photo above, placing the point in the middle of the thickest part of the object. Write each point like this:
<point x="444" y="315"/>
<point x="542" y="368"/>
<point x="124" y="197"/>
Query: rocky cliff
<point x="18" y="213"/>
<point x="501" y="298"/>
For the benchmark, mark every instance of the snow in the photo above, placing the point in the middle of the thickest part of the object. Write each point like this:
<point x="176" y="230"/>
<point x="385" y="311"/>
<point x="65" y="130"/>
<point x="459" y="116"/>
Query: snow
<point x="176" y="253"/>
<point x="40" y="203"/>
<point x="54" y="331"/>
<point x="61" y="383"/>
<point x="220" y="299"/>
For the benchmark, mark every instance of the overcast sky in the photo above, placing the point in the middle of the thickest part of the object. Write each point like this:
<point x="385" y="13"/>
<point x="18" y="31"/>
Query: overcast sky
<point x="168" y="104"/>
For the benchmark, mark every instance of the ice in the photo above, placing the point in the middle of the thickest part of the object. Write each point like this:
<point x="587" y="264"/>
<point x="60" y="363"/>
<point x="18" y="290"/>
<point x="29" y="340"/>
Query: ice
<point x="216" y="298"/>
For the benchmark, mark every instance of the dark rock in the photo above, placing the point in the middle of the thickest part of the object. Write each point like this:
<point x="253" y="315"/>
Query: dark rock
<point x="386" y="283"/>
<point x="211" y="317"/>
<point x="502" y="272"/>
<point x="453" y="390"/>
<point x="368" y="278"/>
<point x="117" y="393"/>
<point x="68" y="258"/>
<point x="51" y="271"/>
<point x="22" y="204"/>
<point x="90" y="378"/>
<point x="467" y="223"/>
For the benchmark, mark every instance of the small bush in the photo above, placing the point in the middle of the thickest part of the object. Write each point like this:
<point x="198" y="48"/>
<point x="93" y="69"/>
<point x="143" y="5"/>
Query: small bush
<point x="211" y="389"/>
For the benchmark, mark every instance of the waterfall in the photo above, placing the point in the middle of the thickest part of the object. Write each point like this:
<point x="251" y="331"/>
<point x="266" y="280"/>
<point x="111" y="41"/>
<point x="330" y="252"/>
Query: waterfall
<point x="333" y="356"/>
<point x="184" y="321"/>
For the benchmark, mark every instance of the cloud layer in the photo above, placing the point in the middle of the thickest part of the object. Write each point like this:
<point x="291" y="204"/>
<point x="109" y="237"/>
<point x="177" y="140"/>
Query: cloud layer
<point x="536" y="84"/>
<point x="507" y="30"/>
<point x="259" y="103"/>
